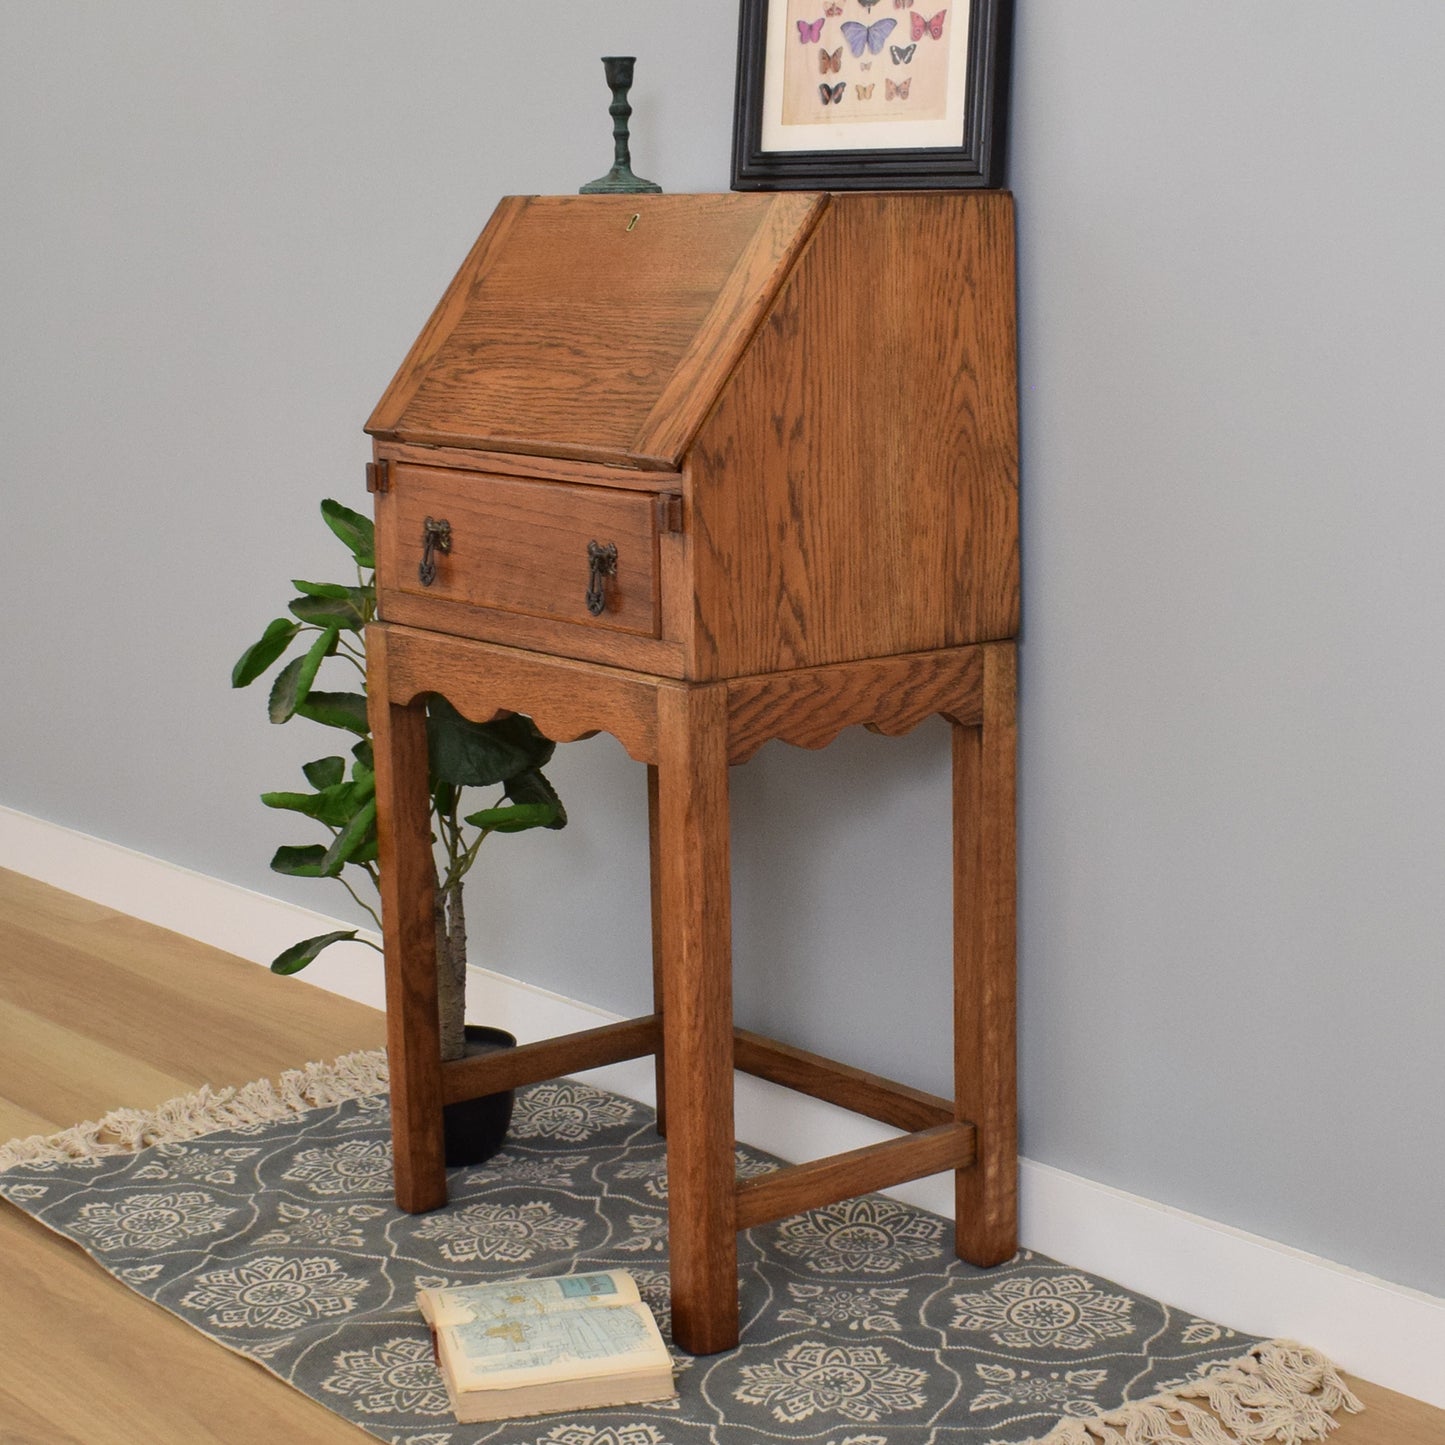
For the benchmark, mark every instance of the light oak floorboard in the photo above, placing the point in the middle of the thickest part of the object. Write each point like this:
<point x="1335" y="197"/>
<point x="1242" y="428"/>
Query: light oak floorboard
<point x="99" y="1010"/>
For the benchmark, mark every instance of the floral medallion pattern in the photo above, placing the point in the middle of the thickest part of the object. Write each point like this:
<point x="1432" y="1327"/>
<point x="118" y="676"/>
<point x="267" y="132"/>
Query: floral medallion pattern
<point x="1062" y="1312"/>
<point x="151" y="1221"/>
<point x="399" y="1377"/>
<point x="510" y="1233"/>
<point x="873" y="1235"/>
<point x="359" y="1166"/>
<point x="569" y="1112"/>
<point x="859" y="1382"/>
<point x="272" y="1293"/>
<point x="860" y="1327"/>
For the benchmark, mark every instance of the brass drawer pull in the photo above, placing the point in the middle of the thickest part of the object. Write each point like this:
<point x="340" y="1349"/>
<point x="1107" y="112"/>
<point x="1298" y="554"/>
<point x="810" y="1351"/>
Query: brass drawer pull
<point x="601" y="564"/>
<point x="435" y="537"/>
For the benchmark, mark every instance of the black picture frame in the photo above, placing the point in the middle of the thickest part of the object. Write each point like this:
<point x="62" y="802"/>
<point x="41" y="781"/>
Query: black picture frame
<point x="977" y="161"/>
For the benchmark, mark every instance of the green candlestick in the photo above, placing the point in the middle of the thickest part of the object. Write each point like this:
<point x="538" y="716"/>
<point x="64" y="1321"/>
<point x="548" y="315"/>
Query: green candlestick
<point x="619" y="179"/>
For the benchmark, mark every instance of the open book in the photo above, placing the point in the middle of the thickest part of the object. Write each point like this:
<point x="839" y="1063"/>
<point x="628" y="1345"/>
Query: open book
<point x="533" y="1346"/>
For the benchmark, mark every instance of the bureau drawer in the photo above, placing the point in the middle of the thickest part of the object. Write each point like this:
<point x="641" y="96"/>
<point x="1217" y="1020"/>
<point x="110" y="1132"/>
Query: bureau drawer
<point x="522" y="546"/>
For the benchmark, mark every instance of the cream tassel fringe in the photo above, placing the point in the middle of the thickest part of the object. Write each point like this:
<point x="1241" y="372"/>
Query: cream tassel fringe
<point x="207" y="1110"/>
<point x="1280" y="1393"/>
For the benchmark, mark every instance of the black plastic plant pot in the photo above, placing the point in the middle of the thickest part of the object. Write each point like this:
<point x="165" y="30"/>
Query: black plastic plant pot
<point x="477" y="1128"/>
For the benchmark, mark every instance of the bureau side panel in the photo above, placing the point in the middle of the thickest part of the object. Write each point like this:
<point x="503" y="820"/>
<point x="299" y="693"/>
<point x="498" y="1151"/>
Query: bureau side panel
<point x="854" y="493"/>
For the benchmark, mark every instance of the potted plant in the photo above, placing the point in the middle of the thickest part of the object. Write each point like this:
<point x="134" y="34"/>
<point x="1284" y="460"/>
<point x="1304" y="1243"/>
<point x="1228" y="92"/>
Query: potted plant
<point x="327" y="625"/>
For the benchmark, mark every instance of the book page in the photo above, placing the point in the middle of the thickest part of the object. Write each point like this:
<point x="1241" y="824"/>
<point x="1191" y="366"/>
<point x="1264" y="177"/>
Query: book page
<point x="442" y="1307"/>
<point x="512" y="1350"/>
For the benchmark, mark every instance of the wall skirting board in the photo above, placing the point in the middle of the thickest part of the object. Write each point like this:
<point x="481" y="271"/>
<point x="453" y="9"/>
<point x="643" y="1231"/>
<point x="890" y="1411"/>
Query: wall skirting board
<point x="1378" y="1330"/>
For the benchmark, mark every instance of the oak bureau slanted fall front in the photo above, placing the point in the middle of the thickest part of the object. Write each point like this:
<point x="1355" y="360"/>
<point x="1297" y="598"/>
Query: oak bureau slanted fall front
<point x="702" y="471"/>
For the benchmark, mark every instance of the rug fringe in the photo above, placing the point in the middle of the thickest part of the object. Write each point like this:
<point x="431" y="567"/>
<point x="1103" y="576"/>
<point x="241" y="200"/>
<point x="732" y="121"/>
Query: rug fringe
<point x="207" y="1110"/>
<point x="1280" y="1393"/>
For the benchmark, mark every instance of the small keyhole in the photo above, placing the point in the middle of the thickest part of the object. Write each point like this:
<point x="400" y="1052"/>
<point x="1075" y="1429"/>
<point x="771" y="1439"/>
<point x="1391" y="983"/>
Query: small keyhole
<point x="636" y="217"/>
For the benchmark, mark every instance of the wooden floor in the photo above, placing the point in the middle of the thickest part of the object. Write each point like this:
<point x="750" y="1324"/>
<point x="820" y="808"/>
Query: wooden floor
<point x="99" y="1011"/>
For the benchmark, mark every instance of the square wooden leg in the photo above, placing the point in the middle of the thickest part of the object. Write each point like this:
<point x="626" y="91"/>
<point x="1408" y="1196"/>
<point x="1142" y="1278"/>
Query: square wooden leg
<point x="985" y="1071"/>
<point x="408" y="886"/>
<point x="695" y="890"/>
<point x="654" y="857"/>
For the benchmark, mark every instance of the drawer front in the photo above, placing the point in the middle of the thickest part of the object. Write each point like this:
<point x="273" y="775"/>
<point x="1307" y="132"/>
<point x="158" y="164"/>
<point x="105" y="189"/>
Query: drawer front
<point x="521" y="546"/>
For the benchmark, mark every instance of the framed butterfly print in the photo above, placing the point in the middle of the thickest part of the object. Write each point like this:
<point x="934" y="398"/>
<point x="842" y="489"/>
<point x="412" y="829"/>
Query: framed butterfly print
<point x="836" y="95"/>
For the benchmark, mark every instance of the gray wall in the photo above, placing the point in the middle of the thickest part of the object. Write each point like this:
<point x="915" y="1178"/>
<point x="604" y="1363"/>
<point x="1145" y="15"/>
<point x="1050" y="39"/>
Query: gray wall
<point x="224" y="223"/>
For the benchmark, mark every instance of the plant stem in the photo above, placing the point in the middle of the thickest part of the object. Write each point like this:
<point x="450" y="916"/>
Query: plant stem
<point x="340" y="878"/>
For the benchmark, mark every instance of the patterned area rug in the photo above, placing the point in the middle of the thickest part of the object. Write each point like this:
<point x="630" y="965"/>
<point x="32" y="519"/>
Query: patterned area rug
<point x="263" y="1217"/>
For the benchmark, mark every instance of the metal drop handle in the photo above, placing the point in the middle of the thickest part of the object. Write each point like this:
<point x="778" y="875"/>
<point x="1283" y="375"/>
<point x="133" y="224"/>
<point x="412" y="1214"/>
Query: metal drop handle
<point x="435" y="537"/>
<point x="601" y="564"/>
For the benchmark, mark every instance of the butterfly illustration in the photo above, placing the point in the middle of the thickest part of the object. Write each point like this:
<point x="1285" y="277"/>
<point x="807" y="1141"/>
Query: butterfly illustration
<point x="903" y="4"/>
<point x="899" y="91"/>
<point x="867" y="37"/>
<point x="810" y="31"/>
<point x="867" y="4"/>
<point x="832" y="9"/>
<point x="865" y="92"/>
<point x="830" y="61"/>
<point x="867" y="65"/>
<point x="902" y="54"/>
<point x="933" y="27"/>
<point x="833" y="93"/>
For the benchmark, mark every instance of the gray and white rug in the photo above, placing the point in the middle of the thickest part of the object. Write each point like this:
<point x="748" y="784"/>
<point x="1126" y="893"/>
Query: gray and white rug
<point x="276" y="1235"/>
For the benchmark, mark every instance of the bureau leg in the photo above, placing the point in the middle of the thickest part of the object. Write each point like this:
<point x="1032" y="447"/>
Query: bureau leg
<point x="695" y="889"/>
<point x="654" y="859"/>
<point x="985" y="1072"/>
<point x="408" y="883"/>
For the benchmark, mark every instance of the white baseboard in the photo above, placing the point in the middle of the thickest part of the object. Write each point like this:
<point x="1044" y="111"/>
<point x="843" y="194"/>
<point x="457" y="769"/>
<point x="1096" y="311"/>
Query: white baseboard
<point x="1380" y="1331"/>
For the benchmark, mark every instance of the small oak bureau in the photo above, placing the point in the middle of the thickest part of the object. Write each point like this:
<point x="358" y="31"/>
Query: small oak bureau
<point x="701" y="471"/>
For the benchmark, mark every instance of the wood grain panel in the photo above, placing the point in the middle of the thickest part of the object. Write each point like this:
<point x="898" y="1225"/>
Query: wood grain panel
<point x="729" y="325"/>
<point x="798" y="1187"/>
<point x="519" y="545"/>
<point x="566" y="699"/>
<point x="854" y="492"/>
<point x="593" y="322"/>
<point x="888" y="695"/>
<point x="849" y="1088"/>
<point x="448" y="312"/>
<point x="985" y="1045"/>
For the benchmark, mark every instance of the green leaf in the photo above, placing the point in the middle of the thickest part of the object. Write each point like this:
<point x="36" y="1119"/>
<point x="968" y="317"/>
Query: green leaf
<point x="532" y="788"/>
<point x="322" y="589"/>
<point x="480" y="755"/>
<point x="281" y="705"/>
<point x="363" y="754"/>
<point x="295" y="958"/>
<point x="513" y="818"/>
<point x="300" y="862"/>
<point x="335" y="806"/>
<point x="533" y="804"/>
<point x="351" y="841"/>
<point x="260" y="655"/>
<point x="293" y="682"/>
<point x="346" y="612"/>
<point x="355" y="530"/>
<point x="337" y="710"/>
<point x="325" y="772"/>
